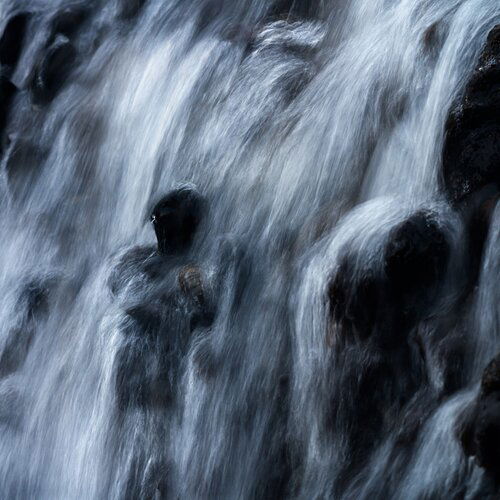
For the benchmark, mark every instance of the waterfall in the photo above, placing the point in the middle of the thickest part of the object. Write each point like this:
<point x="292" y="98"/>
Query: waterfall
<point x="317" y="317"/>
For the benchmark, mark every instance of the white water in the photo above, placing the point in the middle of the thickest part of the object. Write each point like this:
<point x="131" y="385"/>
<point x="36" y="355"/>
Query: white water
<point x="291" y="177"/>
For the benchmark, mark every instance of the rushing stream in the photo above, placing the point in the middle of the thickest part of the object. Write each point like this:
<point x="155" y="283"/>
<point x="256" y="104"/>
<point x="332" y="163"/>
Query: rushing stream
<point x="317" y="320"/>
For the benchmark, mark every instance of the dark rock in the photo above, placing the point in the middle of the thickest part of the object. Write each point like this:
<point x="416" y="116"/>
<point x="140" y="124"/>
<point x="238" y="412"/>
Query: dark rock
<point x="36" y="297"/>
<point x="391" y="299"/>
<point x="53" y="71"/>
<point x="135" y="262"/>
<point x="205" y="361"/>
<point x="464" y="427"/>
<point x="294" y="9"/>
<point x="171" y="300"/>
<point x="23" y="162"/>
<point x="199" y="299"/>
<point x="7" y="92"/>
<point x="16" y="348"/>
<point x="156" y="333"/>
<point x="144" y="318"/>
<point x="176" y="218"/>
<point x="487" y="434"/>
<point x="416" y="255"/>
<point x="490" y="381"/>
<point x="191" y="283"/>
<point x="471" y="153"/>
<point x="478" y="219"/>
<point x="473" y="160"/>
<point x="142" y="364"/>
<point x="11" y="42"/>
<point x="478" y="427"/>
<point x="355" y="301"/>
<point x="451" y="356"/>
<point x="430" y="36"/>
<point x="69" y="20"/>
<point x="130" y="8"/>
<point x="33" y="302"/>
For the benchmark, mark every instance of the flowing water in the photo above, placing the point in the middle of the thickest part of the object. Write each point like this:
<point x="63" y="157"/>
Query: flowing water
<point x="309" y="132"/>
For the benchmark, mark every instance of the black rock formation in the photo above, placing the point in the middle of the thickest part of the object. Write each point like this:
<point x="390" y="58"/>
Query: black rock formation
<point x="471" y="154"/>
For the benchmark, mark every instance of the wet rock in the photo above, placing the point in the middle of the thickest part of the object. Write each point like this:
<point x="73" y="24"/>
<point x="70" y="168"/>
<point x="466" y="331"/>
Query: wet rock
<point x="430" y="36"/>
<point x="53" y="71"/>
<point x="157" y="331"/>
<point x="487" y="434"/>
<point x="295" y="9"/>
<point x="416" y="256"/>
<point x="451" y="357"/>
<point x="355" y="300"/>
<point x="191" y="283"/>
<point x="127" y="9"/>
<point x="35" y="296"/>
<point x="33" y="302"/>
<point x="69" y="20"/>
<point x="490" y="381"/>
<point x="136" y="262"/>
<point x="471" y="153"/>
<point x="176" y="218"/>
<point x="478" y="221"/>
<point x="7" y="92"/>
<point x="143" y="361"/>
<point x="205" y="361"/>
<point x="23" y="162"/>
<point x="478" y="427"/>
<point x="12" y="406"/>
<point x="12" y="40"/>
<point x="465" y="429"/>
<point x="389" y="300"/>
<point x="16" y="349"/>
<point x="171" y="300"/>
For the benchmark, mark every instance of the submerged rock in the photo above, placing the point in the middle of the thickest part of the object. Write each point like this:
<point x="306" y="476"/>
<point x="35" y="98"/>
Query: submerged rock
<point x="23" y="162"/>
<point x="127" y="9"/>
<point x="12" y="40"/>
<point x="53" y="71"/>
<point x="69" y="20"/>
<point x="33" y="306"/>
<point x="144" y="362"/>
<point x="471" y="154"/>
<point x="7" y="92"/>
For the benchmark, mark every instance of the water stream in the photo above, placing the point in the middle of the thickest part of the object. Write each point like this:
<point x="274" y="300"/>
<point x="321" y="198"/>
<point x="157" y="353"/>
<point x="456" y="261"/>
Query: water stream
<point x="312" y="130"/>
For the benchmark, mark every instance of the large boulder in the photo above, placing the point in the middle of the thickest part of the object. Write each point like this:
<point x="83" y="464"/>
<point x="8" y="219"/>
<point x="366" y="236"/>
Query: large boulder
<point x="389" y="299"/>
<point x="471" y="154"/>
